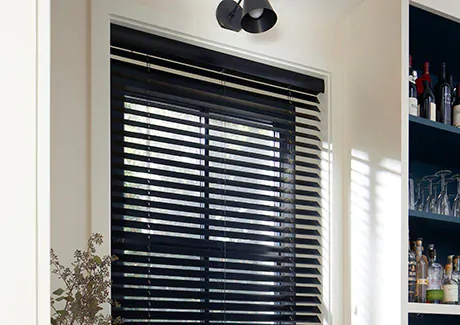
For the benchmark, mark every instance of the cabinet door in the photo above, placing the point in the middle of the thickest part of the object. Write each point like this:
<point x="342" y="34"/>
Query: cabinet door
<point x="376" y="54"/>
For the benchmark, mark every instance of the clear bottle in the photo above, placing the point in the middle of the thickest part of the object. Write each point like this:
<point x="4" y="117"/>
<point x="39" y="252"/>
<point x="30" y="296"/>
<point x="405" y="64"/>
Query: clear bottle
<point x="421" y="274"/>
<point x="413" y="101"/>
<point x="434" y="292"/>
<point x="456" y="272"/>
<point x="450" y="287"/>
<point x="412" y="265"/>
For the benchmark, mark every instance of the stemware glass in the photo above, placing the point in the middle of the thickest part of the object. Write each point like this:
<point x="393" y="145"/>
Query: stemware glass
<point x="456" y="205"/>
<point x="451" y="200"/>
<point x="443" y="205"/>
<point x="411" y="194"/>
<point x="418" y="198"/>
<point x="429" y="199"/>
<point x="421" y="205"/>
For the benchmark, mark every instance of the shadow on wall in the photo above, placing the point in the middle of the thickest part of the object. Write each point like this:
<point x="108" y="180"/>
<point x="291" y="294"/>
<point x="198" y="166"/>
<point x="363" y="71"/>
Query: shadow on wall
<point x="375" y="185"/>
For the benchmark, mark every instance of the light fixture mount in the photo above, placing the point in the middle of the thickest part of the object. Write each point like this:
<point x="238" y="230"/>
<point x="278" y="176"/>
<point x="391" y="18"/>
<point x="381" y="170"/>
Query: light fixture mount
<point x="256" y="16"/>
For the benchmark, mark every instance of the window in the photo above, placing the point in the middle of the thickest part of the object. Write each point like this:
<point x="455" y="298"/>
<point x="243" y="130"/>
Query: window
<point x="215" y="189"/>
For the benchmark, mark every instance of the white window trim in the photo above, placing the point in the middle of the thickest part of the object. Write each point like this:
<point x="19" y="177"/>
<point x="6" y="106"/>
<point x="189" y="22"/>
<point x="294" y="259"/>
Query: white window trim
<point x="103" y="12"/>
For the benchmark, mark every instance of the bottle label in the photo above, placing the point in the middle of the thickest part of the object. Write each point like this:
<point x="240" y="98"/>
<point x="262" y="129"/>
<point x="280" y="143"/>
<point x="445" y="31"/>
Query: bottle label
<point x="422" y="281"/>
<point x="446" y="106"/>
<point x="412" y="271"/>
<point x="456" y="117"/>
<point x="434" y="295"/>
<point x="413" y="107"/>
<point x="433" y="112"/>
<point x="450" y="293"/>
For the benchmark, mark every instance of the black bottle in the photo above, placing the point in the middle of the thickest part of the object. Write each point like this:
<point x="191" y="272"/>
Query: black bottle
<point x="444" y="98"/>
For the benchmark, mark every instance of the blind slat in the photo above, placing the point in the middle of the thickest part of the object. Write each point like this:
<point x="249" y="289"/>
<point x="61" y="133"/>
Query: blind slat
<point x="149" y="258"/>
<point x="255" y="220"/>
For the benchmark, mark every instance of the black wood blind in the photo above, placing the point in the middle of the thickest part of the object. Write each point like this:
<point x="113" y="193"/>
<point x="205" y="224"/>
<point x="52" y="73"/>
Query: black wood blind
<point x="215" y="189"/>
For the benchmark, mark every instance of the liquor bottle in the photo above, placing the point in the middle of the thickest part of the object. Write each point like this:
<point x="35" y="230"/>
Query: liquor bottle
<point x="425" y="76"/>
<point x="410" y="69"/>
<point x="413" y="102"/>
<point x="456" y="272"/>
<point x="444" y="98"/>
<point x="421" y="274"/>
<point x="412" y="265"/>
<point x="452" y="87"/>
<point x="456" y="109"/>
<point x="434" y="292"/>
<point x="450" y="287"/>
<point x="427" y="102"/>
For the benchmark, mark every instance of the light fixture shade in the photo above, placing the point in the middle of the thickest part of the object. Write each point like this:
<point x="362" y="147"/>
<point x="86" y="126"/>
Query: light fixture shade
<point x="229" y="15"/>
<point x="264" y="22"/>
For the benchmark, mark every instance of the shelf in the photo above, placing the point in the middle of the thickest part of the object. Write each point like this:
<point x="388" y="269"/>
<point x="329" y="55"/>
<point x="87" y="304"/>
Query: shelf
<point x="433" y="142"/>
<point x="435" y="126"/>
<point x="416" y="308"/>
<point x="433" y="216"/>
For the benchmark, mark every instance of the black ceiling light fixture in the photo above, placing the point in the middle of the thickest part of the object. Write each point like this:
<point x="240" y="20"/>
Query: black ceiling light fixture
<point x="256" y="16"/>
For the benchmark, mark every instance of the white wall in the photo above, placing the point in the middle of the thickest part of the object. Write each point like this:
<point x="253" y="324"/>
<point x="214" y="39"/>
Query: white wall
<point x="376" y="51"/>
<point x="24" y="137"/>
<point x="70" y="123"/>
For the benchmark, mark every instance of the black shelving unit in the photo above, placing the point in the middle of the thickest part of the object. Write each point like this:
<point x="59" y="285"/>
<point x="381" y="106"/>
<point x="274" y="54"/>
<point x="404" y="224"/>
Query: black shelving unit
<point x="434" y="146"/>
<point x="434" y="143"/>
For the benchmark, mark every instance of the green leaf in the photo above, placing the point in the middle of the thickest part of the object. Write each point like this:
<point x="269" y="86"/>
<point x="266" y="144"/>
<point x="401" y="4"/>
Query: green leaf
<point x="60" y="298"/>
<point x="98" y="260"/>
<point x="62" y="312"/>
<point x="58" y="292"/>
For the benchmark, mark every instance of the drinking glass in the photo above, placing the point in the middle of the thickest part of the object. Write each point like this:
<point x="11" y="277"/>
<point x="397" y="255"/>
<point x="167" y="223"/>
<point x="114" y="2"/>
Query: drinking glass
<point x="421" y="205"/>
<point x="411" y="194"/>
<point x="451" y="200"/>
<point x="418" y="198"/>
<point x="429" y="199"/>
<point x="456" y="205"/>
<point x="443" y="205"/>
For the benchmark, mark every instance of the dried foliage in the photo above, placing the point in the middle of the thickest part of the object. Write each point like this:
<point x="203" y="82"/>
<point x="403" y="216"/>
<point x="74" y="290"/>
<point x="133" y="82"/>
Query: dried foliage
<point x="86" y="288"/>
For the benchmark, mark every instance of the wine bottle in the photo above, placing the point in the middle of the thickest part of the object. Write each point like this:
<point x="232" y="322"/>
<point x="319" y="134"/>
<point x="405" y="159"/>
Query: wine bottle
<point x="421" y="274"/>
<point x="444" y="98"/>
<point x="456" y="108"/>
<point x="427" y="102"/>
<point x="413" y="102"/>
<point x="425" y="76"/>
